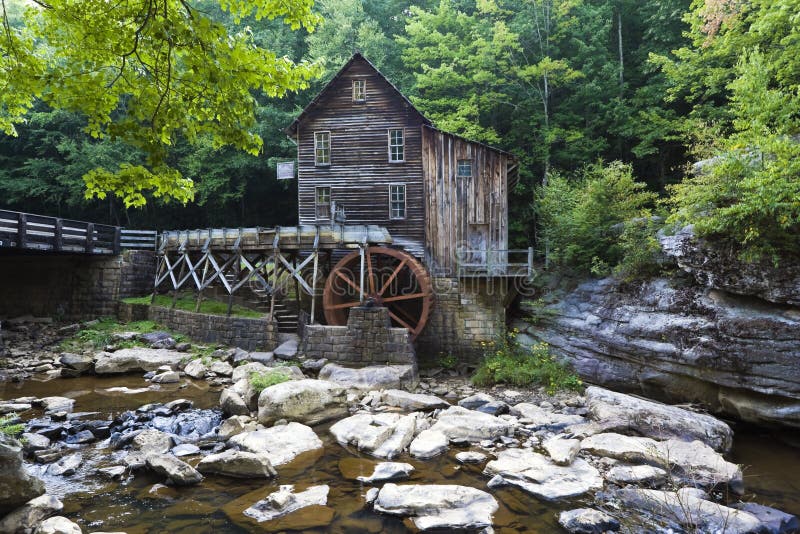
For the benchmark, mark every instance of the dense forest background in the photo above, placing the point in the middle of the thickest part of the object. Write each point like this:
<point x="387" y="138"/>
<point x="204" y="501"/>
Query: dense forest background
<point x="605" y="102"/>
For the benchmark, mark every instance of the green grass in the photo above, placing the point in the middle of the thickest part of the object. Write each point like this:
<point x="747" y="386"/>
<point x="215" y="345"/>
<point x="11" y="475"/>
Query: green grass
<point x="506" y="362"/>
<point x="189" y="303"/>
<point x="9" y="429"/>
<point x="98" y="334"/>
<point x="259" y="381"/>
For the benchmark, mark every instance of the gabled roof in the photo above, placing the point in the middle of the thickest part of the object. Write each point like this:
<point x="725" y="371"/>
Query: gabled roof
<point x="291" y="130"/>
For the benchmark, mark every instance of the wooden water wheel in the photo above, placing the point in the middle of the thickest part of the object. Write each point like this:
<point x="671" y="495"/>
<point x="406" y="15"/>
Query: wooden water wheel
<point x="391" y="278"/>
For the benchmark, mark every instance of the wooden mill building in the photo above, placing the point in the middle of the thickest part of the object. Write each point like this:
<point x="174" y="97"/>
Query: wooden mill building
<point x="367" y="156"/>
<point x="363" y="148"/>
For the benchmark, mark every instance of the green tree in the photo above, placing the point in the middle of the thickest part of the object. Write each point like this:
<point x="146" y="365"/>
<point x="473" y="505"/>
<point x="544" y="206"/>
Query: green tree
<point x="148" y="73"/>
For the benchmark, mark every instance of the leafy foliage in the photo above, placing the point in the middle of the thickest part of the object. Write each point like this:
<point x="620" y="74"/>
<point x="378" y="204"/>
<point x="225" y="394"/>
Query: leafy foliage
<point x="259" y="381"/>
<point x="149" y="74"/>
<point x="583" y="218"/>
<point x="9" y="427"/>
<point x="506" y="362"/>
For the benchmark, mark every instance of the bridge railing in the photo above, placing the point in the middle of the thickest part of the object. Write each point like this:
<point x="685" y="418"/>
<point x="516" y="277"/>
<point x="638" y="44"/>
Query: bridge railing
<point x="39" y="232"/>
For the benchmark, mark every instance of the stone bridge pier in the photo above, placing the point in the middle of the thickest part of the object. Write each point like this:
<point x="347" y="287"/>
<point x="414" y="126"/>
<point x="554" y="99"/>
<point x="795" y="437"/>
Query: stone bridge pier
<point x="71" y="286"/>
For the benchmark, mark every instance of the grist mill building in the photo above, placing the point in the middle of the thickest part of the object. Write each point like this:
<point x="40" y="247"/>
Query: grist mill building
<point x="367" y="156"/>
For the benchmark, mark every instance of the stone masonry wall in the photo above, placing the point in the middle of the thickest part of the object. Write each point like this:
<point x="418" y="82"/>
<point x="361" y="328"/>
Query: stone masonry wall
<point x="466" y="312"/>
<point x="70" y="286"/>
<point x="367" y="339"/>
<point x="244" y="332"/>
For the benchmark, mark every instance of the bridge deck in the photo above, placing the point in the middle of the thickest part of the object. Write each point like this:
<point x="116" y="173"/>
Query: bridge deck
<point x="37" y="232"/>
<point x="258" y="239"/>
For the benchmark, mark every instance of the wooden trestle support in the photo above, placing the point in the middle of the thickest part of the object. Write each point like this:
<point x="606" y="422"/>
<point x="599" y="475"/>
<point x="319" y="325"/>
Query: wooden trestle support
<point x="265" y="258"/>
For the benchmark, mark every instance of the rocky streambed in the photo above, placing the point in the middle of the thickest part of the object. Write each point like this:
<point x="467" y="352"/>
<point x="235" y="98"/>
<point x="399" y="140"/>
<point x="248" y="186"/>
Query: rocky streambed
<point x="342" y="450"/>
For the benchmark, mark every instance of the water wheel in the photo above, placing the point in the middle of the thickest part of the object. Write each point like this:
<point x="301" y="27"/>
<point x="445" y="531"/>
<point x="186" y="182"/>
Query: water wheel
<point x="391" y="278"/>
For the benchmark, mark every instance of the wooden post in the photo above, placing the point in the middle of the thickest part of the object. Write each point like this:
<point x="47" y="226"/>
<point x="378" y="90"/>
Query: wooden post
<point x="22" y="230"/>
<point x="89" y="238"/>
<point x="57" y="235"/>
<point x="117" y="247"/>
<point x="530" y="262"/>
<point x="361" y="280"/>
<point x="314" y="275"/>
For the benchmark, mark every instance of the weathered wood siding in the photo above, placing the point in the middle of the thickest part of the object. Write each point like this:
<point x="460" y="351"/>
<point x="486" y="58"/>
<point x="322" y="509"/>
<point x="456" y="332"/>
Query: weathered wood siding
<point x="462" y="212"/>
<point x="360" y="173"/>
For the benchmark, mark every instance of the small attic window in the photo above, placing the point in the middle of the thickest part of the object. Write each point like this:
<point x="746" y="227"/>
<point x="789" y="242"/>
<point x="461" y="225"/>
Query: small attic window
<point x="359" y="90"/>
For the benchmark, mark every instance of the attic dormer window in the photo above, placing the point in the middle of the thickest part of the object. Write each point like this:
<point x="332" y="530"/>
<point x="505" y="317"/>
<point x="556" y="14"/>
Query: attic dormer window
<point x="359" y="90"/>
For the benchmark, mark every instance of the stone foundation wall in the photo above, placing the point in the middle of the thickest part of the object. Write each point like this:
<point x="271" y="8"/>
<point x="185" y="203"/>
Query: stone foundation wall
<point x="466" y="313"/>
<point x="245" y="332"/>
<point x="367" y="339"/>
<point x="69" y="286"/>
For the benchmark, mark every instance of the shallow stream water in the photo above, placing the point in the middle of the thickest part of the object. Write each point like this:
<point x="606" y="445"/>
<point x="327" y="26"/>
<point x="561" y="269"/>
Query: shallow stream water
<point x="772" y="477"/>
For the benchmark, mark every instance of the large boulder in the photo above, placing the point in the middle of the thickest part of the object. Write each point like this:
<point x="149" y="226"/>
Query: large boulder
<point x="152" y="441"/>
<point x="617" y="412"/>
<point x="371" y="377"/>
<point x="428" y="444"/>
<point x="136" y="360"/>
<point x="177" y="472"/>
<point x="57" y="525"/>
<point x="306" y="401"/>
<point x="678" y="341"/>
<point x="438" y="507"/>
<point x="383" y="435"/>
<point x="239" y="464"/>
<point x="694" y="461"/>
<point x="459" y="423"/>
<point x="587" y="521"/>
<point x="281" y="444"/>
<point x="536" y="474"/>
<point x="684" y="509"/>
<point x="232" y="403"/>
<point x="25" y="518"/>
<point x="16" y="486"/>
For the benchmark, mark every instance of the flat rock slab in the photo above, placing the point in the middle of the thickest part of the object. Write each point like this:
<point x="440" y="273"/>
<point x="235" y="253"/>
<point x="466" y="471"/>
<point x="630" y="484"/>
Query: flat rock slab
<point x="412" y="402"/>
<point x="531" y="414"/>
<point x="644" y="475"/>
<point x="459" y="423"/>
<point x="281" y="444"/>
<point x="620" y="412"/>
<point x="136" y="360"/>
<point x="286" y="501"/>
<point x="371" y="377"/>
<point x="440" y="507"/>
<point x="429" y="444"/>
<point x="386" y="471"/>
<point x="562" y="451"/>
<point x="536" y="474"/>
<point x="587" y="521"/>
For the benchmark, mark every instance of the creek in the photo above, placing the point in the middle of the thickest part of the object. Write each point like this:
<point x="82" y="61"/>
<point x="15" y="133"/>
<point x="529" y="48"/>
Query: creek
<point x="139" y="505"/>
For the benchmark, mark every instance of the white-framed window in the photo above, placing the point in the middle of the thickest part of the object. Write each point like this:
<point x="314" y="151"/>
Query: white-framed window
<point x="322" y="148"/>
<point x="322" y="203"/>
<point x="397" y="142"/>
<point x="359" y="90"/>
<point x="397" y="201"/>
<point x="464" y="169"/>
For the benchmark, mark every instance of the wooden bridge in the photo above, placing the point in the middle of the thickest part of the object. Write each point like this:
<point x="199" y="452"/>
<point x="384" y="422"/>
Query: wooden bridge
<point x="25" y="231"/>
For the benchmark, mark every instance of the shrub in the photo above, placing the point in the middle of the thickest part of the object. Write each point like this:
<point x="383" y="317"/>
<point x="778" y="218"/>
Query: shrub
<point x="641" y="250"/>
<point x="506" y="362"/>
<point x="581" y="219"/>
<point x="259" y="381"/>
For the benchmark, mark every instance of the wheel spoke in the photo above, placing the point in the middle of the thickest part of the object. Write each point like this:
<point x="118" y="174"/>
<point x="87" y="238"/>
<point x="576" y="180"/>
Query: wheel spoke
<point x="344" y="305"/>
<point x="392" y="277"/>
<point x="399" y="320"/>
<point x="352" y="284"/>
<point x="405" y="297"/>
